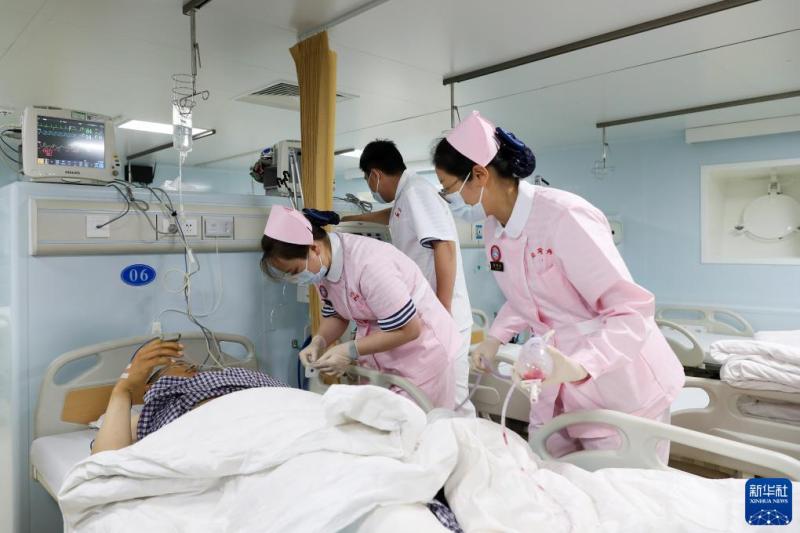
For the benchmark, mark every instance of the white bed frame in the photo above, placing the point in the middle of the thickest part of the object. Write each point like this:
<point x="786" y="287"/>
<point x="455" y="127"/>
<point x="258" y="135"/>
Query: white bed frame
<point x="640" y="437"/>
<point x="723" y="418"/>
<point x="110" y="358"/>
<point x="710" y="319"/>
<point x="694" y="433"/>
<point x="489" y="395"/>
<point x="357" y="374"/>
<point x="113" y="356"/>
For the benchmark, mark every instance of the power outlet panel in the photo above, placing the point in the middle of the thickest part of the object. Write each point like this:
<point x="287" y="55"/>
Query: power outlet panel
<point x="92" y="231"/>
<point x="218" y="227"/>
<point x="191" y="226"/>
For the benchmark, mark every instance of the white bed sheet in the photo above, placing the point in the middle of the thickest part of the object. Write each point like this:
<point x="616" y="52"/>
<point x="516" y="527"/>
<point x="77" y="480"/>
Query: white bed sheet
<point x="53" y="456"/>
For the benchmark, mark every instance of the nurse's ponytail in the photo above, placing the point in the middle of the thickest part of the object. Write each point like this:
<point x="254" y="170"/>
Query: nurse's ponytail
<point x="273" y="248"/>
<point x="514" y="160"/>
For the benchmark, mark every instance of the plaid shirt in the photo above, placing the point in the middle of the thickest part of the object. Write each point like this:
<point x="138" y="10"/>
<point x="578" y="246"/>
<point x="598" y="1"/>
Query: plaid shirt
<point x="171" y="397"/>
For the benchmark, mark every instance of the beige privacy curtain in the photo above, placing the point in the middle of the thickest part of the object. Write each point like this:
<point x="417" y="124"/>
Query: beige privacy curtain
<point x="316" y="76"/>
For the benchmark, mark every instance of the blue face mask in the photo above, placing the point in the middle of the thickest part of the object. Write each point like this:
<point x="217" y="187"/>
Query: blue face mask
<point x="471" y="213"/>
<point x="305" y="277"/>
<point x="375" y="194"/>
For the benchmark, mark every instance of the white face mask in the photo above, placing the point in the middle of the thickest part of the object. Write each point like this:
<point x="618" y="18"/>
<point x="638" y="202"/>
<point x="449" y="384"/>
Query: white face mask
<point x="375" y="194"/>
<point x="305" y="277"/>
<point x="471" y="213"/>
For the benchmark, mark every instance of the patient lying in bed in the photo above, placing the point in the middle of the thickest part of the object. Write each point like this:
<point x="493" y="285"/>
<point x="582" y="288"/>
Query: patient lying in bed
<point x="171" y="387"/>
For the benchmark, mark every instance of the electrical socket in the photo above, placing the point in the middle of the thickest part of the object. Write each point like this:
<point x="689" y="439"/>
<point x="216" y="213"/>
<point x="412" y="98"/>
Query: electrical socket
<point x="191" y="226"/>
<point x="93" y="232"/>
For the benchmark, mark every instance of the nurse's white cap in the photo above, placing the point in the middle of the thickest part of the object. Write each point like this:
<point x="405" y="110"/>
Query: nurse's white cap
<point x="474" y="138"/>
<point x="288" y="225"/>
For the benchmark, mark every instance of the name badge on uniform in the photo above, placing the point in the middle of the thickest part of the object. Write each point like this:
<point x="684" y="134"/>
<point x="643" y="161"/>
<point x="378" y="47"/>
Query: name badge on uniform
<point x="496" y="264"/>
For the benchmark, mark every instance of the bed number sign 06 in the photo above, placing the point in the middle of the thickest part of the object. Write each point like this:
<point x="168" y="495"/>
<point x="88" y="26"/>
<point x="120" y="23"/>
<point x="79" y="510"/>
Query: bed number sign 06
<point x="138" y="275"/>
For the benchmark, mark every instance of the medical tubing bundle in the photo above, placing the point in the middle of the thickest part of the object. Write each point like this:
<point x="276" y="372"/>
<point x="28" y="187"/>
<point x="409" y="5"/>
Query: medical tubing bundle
<point x="532" y="367"/>
<point x="191" y="265"/>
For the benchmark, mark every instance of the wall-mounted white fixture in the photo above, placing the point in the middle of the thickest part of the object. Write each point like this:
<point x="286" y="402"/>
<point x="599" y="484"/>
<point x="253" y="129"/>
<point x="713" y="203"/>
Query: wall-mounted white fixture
<point x="750" y="212"/>
<point x="772" y="217"/>
<point x="747" y="128"/>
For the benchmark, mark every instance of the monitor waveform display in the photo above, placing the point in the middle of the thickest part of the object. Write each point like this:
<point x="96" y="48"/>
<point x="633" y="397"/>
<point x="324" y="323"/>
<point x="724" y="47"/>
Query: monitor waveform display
<point x="69" y="142"/>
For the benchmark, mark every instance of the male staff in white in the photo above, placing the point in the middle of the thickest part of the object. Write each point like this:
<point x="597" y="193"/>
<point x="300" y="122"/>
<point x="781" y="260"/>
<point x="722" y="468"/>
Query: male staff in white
<point x="423" y="228"/>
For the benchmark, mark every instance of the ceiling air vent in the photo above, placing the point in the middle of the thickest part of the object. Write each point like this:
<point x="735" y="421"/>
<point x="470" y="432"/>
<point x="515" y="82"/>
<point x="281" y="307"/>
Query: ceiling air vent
<point x="283" y="94"/>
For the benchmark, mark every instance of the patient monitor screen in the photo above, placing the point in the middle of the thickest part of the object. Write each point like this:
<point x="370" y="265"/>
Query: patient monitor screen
<point x="69" y="142"/>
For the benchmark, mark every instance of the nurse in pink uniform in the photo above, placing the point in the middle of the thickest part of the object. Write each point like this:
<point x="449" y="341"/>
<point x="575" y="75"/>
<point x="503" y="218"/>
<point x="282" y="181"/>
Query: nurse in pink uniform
<point x="553" y="256"/>
<point x="403" y="329"/>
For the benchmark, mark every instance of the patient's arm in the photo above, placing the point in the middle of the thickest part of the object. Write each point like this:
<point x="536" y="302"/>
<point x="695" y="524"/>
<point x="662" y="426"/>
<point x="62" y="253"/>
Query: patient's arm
<point x="118" y="429"/>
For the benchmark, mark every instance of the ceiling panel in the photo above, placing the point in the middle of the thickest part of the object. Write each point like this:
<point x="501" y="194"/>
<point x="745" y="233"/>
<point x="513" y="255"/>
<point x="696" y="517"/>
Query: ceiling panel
<point x="117" y="56"/>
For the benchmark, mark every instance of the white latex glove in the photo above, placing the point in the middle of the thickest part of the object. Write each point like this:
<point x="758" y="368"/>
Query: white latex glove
<point x="565" y="370"/>
<point x="311" y="353"/>
<point x="485" y="351"/>
<point x="336" y="360"/>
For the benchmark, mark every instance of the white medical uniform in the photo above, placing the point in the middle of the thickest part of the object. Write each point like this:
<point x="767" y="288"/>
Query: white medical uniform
<point x="418" y="218"/>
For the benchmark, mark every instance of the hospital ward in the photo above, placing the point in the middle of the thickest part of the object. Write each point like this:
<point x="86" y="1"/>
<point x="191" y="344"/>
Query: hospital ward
<point x="392" y="266"/>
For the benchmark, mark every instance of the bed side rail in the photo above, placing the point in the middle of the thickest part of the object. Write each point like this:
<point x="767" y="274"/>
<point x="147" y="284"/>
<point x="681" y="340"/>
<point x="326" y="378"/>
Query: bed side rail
<point x="713" y="319"/>
<point x="77" y="383"/>
<point x="380" y="379"/>
<point x="690" y="354"/>
<point x="640" y="437"/>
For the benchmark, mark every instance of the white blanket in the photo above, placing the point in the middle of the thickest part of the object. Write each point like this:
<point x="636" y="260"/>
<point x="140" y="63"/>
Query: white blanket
<point x="286" y="460"/>
<point x="758" y="365"/>
<point x="267" y="459"/>
<point x="499" y="487"/>
<point x="790" y="337"/>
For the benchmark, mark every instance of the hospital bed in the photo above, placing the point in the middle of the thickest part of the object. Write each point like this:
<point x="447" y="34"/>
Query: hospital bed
<point x="77" y="386"/>
<point x="721" y="421"/>
<point x="641" y="435"/>
<point x="76" y="389"/>
<point x="723" y="417"/>
<point x="70" y="398"/>
<point x="491" y="391"/>
<point x="691" y="330"/>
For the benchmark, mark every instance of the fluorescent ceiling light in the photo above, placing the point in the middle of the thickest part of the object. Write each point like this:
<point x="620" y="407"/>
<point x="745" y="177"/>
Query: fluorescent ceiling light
<point x="748" y="128"/>
<point x="351" y="153"/>
<point x="153" y="127"/>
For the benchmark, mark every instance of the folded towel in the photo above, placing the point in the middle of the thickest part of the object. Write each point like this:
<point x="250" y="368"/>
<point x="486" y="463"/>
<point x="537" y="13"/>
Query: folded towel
<point x="752" y="364"/>
<point x="789" y="338"/>
<point x="744" y="372"/>
<point x="767" y="352"/>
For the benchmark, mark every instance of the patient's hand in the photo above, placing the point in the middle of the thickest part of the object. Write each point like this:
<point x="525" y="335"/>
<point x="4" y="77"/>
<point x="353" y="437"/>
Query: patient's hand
<point x="153" y="354"/>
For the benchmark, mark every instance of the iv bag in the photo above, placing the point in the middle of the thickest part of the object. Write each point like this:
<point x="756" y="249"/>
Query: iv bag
<point x="181" y="129"/>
